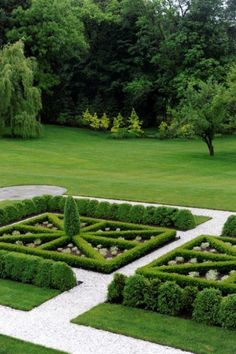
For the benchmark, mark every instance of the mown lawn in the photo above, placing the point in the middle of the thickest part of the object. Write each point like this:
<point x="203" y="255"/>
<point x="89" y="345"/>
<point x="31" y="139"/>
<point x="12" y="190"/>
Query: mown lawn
<point x="9" y="345"/>
<point x="88" y="163"/>
<point x="154" y="327"/>
<point x="23" y="296"/>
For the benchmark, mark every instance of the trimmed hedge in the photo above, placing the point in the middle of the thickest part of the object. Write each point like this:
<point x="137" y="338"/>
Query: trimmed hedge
<point x="116" y="288"/>
<point x="71" y="218"/>
<point x="227" y="312"/>
<point x="180" y="272"/>
<point x="151" y="215"/>
<point x="206" y="306"/>
<point x="230" y="227"/>
<point x="36" y="270"/>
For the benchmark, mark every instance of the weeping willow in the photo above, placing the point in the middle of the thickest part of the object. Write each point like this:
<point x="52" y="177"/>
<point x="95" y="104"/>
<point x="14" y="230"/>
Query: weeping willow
<point x="20" y="100"/>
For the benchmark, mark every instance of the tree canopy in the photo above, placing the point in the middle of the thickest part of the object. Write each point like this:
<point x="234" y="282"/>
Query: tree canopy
<point x="20" y="100"/>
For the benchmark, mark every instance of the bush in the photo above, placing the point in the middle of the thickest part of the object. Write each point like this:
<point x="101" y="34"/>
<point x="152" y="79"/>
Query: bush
<point x="184" y="220"/>
<point x="149" y="215"/>
<point x="41" y="204"/>
<point x="102" y="210"/>
<point x="165" y="216"/>
<point x="151" y="295"/>
<point x="227" y="312"/>
<point x="112" y="212"/>
<point x="230" y="227"/>
<point x="56" y="203"/>
<point x="123" y="211"/>
<point x="71" y="218"/>
<point x="62" y="276"/>
<point x="189" y="296"/>
<point x="170" y="298"/>
<point x="82" y="205"/>
<point x="92" y="207"/>
<point x="206" y="306"/>
<point x="12" y="213"/>
<point x="43" y="276"/>
<point x="134" y="291"/>
<point x="3" y="217"/>
<point x="136" y="214"/>
<point x="116" y="288"/>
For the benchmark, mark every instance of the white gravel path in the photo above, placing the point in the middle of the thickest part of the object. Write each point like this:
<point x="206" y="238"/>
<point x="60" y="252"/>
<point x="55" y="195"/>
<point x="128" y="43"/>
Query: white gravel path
<point x="27" y="192"/>
<point x="49" y="324"/>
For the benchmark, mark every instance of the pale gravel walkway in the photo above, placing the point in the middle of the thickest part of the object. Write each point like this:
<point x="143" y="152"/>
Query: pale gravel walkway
<point x="27" y="192"/>
<point x="50" y="325"/>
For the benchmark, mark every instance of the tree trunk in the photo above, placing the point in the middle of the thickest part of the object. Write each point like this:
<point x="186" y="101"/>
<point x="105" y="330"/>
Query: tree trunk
<point x="210" y="146"/>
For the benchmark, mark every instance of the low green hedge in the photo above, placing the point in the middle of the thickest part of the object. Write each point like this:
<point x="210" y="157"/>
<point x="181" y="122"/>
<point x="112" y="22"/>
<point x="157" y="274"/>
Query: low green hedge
<point x="179" y="272"/>
<point x="229" y="228"/>
<point x="159" y="216"/>
<point x="35" y="270"/>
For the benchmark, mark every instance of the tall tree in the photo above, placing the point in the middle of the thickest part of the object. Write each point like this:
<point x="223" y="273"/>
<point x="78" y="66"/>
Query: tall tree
<point x="20" y="100"/>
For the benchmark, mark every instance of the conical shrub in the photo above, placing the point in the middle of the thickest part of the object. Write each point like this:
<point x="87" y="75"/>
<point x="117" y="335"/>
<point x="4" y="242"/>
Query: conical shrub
<point x="71" y="218"/>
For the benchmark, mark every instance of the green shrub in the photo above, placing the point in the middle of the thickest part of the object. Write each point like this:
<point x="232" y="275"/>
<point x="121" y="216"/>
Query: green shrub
<point x="149" y="215"/>
<point x="102" y="210"/>
<point x="116" y="288"/>
<point x="82" y="205"/>
<point x="151" y="295"/>
<point x="29" y="207"/>
<point x="134" y="291"/>
<point x="71" y="218"/>
<point x="230" y="227"/>
<point x="113" y="211"/>
<point x="227" y="312"/>
<point x="170" y="298"/>
<point x="206" y="306"/>
<point x="62" y="276"/>
<point x="165" y="216"/>
<point x="12" y="213"/>
<point x="56" y="203"/>
<point x="92" y="207"/>
<point x="189" y="296"/>
<point x="43" y="276"/>
<point x="41" y="204"/>
<point x="136" y="214"/>
<point x="123" y="211"/>
<point x="184" y="220"/>
<point x="3" y="217"/>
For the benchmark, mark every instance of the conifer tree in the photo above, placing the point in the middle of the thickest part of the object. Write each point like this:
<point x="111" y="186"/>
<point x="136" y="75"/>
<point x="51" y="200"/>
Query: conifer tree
<point x="71" y="218"/>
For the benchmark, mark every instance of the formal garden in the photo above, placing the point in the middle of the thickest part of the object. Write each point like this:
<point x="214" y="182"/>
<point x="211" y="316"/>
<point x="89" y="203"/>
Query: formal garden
<point x="117" y="176"/>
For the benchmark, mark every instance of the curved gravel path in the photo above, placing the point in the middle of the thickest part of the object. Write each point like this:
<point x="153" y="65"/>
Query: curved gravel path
<point x="29" y="191"/>
<point x="49" y="324"/>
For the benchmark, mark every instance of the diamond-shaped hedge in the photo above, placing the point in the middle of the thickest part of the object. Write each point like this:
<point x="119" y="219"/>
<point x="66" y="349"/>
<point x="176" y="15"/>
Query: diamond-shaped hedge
<point x="101" y="245"/>
<point x="206" y="261"/>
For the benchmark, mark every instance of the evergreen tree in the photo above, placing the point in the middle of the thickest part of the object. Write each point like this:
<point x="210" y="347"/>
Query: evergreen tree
<point x="20" y="100"/>
<point x="71" y="218"/>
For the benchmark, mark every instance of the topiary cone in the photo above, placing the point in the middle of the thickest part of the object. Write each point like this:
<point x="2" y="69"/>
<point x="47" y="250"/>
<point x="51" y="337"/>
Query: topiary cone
<point x="71" y="218"/>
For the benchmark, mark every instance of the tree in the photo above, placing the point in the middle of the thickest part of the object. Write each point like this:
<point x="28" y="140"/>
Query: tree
<point x="203" y="109"/>
<point x="71" y="218"/>
<point x="20" y="100"/>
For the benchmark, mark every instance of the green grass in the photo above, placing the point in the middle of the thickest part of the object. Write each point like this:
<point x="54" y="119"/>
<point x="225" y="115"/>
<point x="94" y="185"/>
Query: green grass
<point x="9" y="345"/>
<point x="88" y="163"/>
<point x="23" y="296"/>
<point x="200" y="219"/>
<point x="154" y="327"/>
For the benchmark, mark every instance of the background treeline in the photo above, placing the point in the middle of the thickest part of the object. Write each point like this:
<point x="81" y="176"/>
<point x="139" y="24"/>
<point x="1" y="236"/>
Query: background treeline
<point x="114" y="55"/>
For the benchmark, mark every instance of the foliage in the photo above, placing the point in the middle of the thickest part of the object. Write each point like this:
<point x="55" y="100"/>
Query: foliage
<point x="134" y="291"/>
<point x="227" y="312"/>
<point x="166" y="131"/>
<point x="151" y="295"/>
<point x="170" y="299"/>
<point x="188" y="298"/>
<point x="116" y="288"/>
<point x="184" y="220"/>
<point x="20" y="101"/>
<point x="135" y="125"/>
<point x="206" y="306"/>
<point x="229" y="228"/>
<point x="71" y="218"/>
<point x="203" y="109"/>
<point x="63" y="277"/>
<point x="104" y="122"/>
<point x="117" y="123"/>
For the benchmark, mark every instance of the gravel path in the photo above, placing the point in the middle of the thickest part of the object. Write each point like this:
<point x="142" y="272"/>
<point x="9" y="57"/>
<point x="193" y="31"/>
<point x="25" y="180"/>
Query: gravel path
<point x="27" y="192"/>
<point x="49" y="324"/>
